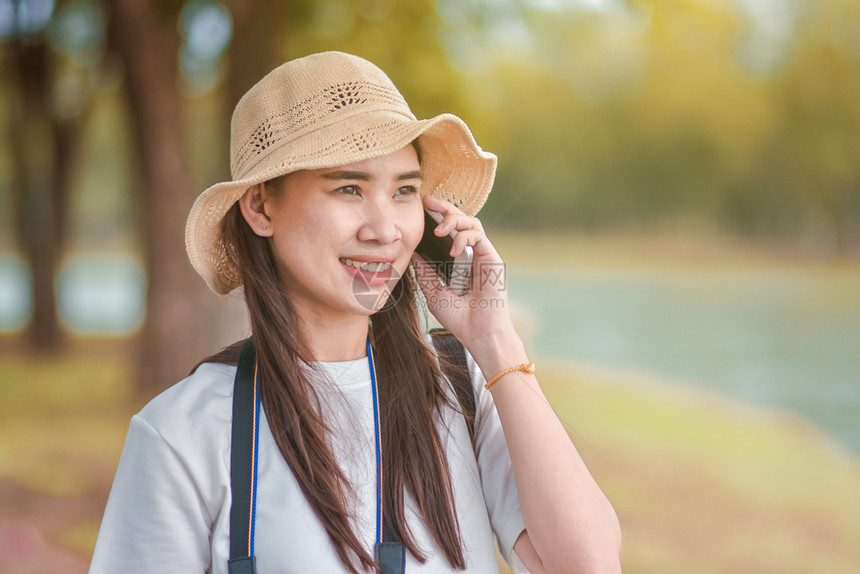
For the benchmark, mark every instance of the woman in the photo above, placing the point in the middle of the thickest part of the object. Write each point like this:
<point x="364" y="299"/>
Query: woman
<point x="331" y="175"/>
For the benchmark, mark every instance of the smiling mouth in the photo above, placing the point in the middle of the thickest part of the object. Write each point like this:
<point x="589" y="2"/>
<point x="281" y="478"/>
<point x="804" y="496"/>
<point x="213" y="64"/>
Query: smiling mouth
<point x="371" y="266"/>
<point x="369" y="273"/>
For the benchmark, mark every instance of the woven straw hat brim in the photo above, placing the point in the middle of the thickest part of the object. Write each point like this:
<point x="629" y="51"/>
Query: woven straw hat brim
<point x="453" y="166"/>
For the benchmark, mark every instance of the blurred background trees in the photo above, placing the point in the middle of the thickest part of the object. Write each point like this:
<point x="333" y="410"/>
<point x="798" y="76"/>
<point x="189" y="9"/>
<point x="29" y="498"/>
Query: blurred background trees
<point x="736" y="117"/>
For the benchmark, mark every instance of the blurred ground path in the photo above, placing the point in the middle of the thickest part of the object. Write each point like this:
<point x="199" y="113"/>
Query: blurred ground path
<point x="30" y="521"/>
<point x="63" y="420"/>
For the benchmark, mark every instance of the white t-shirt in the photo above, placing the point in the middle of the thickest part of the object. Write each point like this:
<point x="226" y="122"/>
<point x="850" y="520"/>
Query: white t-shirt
<point x="169" y="508"/>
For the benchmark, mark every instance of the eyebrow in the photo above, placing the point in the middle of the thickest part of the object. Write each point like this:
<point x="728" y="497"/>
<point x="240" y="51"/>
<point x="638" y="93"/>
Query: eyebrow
<point x="364" y="176"/>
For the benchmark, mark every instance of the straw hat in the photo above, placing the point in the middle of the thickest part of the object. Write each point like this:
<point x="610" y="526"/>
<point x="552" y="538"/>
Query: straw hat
<point x="327" y="110"/>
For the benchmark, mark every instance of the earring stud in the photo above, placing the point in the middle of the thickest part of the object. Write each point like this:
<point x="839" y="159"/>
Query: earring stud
<point x="264" y="227"/>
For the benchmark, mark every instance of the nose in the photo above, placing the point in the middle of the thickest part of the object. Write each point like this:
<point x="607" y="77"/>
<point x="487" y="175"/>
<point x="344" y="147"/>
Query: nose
<point x="379" y="223"/>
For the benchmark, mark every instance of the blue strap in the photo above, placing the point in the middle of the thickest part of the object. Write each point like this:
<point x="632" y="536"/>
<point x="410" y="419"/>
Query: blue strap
<point x="388" y="551"/>
<point x="377" y="434"/>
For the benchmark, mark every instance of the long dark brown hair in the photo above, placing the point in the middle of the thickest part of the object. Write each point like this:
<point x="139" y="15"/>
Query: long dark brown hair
<point x="411" y="393"/>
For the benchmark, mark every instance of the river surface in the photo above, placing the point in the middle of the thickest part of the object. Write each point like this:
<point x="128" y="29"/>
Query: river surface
<point x="786" y="337"/>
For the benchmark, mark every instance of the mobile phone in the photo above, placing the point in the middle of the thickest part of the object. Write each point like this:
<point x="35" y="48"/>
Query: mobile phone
<point x="455" y="272"/>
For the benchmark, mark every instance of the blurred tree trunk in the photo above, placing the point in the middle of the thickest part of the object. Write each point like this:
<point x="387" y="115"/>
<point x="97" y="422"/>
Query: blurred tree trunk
<point x="174" y="334"/>
<point x="40" y="166"/>
<point x="258" y="36"/>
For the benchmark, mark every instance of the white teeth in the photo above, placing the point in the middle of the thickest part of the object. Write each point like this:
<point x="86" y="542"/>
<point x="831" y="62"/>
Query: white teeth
<point x="372" y="266"/>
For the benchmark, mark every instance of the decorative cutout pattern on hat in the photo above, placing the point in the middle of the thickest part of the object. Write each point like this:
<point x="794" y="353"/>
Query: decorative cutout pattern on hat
<point x="226" y="265"/>
<point x="262" y="138"/>
<point x="345" y="95"/>
<point x="361" y="143"/>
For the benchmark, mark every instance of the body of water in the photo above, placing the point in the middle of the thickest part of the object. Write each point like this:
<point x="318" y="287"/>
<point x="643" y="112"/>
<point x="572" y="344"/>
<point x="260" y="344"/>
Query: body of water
<point x="781" y="338"/>
<point x="95" y="294"/>
<point x="785" y="338"/>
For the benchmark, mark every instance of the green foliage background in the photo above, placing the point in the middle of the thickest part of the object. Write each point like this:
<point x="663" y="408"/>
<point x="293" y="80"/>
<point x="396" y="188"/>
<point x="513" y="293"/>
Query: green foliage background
<point x="657" y="114"/>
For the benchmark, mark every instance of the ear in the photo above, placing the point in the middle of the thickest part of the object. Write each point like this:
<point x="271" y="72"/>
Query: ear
<point x="252" y="205"/>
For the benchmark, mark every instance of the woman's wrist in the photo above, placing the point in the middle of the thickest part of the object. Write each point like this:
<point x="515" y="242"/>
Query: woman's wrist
<point x="497" y="353"/>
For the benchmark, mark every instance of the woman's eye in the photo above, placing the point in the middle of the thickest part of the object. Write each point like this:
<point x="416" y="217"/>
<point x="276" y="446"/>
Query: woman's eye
<point x="406" y="190"/>
<point x="348" y="190"/>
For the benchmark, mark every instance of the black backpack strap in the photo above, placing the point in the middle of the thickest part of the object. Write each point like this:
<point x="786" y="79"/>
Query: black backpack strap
<point x="457" y="370"/>
<point x="242" y="462"/>
<point x="391" y="556"/>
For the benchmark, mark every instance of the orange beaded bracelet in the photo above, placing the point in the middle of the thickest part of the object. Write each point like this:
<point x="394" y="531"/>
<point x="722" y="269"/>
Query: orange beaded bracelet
<point x="525" y="367"/>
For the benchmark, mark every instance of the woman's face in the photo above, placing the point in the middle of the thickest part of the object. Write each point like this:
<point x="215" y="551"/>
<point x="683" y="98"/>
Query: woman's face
<point x="343" y="236"/>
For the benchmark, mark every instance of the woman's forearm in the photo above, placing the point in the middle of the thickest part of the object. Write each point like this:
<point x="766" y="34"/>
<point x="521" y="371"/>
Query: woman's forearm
<point x="570" y="524"/>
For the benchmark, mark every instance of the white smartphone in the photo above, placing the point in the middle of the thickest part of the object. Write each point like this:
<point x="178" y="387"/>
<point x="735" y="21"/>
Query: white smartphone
<point x="455" y="272"/>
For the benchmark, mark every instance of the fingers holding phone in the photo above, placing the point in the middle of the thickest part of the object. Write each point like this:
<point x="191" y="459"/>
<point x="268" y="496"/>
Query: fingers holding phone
<point x="467" y="296"/>
<point x="454" y="271"/>
<point x="469" y="230"/>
